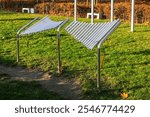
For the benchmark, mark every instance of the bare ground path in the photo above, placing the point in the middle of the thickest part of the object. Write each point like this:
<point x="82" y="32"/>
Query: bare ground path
<point x="68" y="89"/>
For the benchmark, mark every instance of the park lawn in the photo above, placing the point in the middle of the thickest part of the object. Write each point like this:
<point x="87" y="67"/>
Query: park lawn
<point x="23" y="90"/>
<point x="126" y="65"/>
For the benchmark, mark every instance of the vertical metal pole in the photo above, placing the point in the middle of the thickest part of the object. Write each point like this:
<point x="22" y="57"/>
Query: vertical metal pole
<point x="132" y="16"/>
<point x="112" y="10"/>
<point x="43" y="7"/>
<point x="98" y="69"/>
<point x="92" y="11"/>
<point x="17" y="51"/>
<point x="46" y="10"/>
<point x="75" y="10"/>
<point x="59" y="62"/>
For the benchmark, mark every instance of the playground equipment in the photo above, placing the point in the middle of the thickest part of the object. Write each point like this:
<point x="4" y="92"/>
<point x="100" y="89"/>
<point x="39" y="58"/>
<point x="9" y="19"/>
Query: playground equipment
<point x="42" y="25"/>
<point x="90" y="34"/>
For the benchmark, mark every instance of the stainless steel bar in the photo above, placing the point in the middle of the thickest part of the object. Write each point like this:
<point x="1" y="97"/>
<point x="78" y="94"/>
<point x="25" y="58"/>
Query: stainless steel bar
<point x="74" y="28"/>
<point x="27" y="25"/>
<point x="98" y="69"/>
<point x="111" y="25"/>
<point x="58" y="46"/>
<point x="58" y="49"/>
<point x="79" y="28"/>
<point x="62" y="24"/>
<point x="81" y="31"/>
<point x="110" y="29"/>
<point x="132" y="16"/>
<point x="39" y="21"/>
<point x="90" y="28"/>
<point x="107" y="28"/>
<point x="17" y="48"/>
<point x="75" y="10"/>
<point x="112" y="10"/>
<point x="92" y="11"/>
<point x="93" y="34"/>
<point x="69" y="27"/>
<point x="108" y="34"/>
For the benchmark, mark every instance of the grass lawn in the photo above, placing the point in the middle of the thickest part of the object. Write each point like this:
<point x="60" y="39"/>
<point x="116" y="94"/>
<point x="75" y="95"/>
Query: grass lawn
<point x="20" y="90"/>
<point x="126" y="67"/>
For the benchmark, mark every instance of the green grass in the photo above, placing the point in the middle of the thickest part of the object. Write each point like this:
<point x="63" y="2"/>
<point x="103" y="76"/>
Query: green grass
<point x="127" y="57"/>
<point x="21" y="90"/>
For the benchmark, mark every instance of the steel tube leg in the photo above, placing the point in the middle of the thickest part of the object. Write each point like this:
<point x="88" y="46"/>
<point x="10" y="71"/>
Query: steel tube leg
<point x="98" y="69"/>
<point x="17" y="48"/>
<point x="112" y="10"/>
<point x="132" y="16"/>
<point x="59" y="62"/>
<point x="92" y="11"/>
<point x="75" y="10"/>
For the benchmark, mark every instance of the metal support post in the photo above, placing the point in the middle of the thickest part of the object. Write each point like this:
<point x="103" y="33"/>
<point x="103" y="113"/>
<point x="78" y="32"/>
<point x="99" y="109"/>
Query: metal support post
<point x="112" y="10"/>
<point x="132" y="16"/>
<point x="75" y="10"/>
<point x="59" y="62"/>
<point x="18" y="36"/>
<point x="98" y="69"/>
<point x="17" y="51"/>
<point x="58" y="46"/>
<point x="92" y="11"/>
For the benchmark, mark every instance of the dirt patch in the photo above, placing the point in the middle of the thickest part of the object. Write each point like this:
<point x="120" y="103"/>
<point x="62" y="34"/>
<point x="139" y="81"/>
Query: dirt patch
<point x="68" y="89"/>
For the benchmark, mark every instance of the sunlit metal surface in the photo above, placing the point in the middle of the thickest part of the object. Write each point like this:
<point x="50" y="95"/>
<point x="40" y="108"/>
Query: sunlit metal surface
<point x="91" y="34"/>
<point x="42" y="25"/>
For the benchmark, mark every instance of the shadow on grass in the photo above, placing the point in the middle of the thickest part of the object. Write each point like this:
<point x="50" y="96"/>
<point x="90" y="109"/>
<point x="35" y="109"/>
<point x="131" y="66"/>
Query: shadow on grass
<point x="89" y="88"/>
<point x="75" y="72"/>
<point x="16" y="19"/>
<point x="143" y="31"/>
<point x="105" y="92"/>
<point x="124" y="26"/>
<point x="53" y="34"/>
<point x="8" y="61"/>
<point x="142" y="52"/>
<point x="110" y="94"/>
<point x="21" y="90"/>
<point x="146" y="30"/>
<point x="6" y="12"/>
<point x="145" y="52"/>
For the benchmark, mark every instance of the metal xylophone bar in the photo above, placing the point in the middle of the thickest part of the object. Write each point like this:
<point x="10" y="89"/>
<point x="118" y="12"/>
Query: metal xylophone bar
<point x="90" y="35"/>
